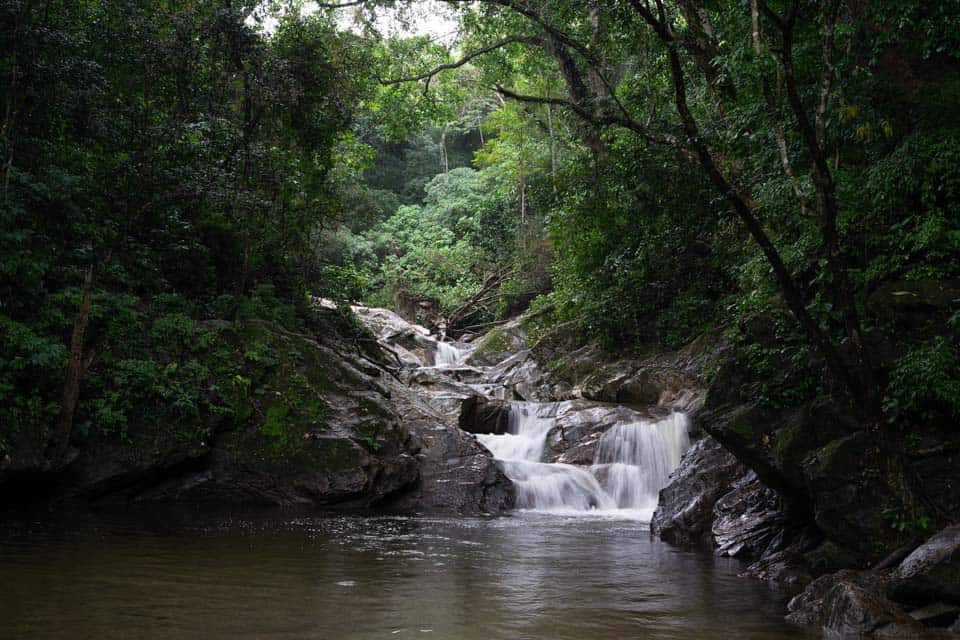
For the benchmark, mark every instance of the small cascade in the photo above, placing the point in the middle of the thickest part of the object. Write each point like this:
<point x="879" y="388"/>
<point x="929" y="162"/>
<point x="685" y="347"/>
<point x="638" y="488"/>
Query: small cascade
<point x="529" y="424"/>
<point x="541" y="485"/>
<point x="448" y="355"/>
<point x="633" y="462"/>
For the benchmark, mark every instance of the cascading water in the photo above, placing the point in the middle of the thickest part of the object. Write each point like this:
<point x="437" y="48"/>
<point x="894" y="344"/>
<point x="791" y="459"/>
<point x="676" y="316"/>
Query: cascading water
<point x="633" y="462"/>
<point x="448" y="355"/>
<point x="542" y="485"/>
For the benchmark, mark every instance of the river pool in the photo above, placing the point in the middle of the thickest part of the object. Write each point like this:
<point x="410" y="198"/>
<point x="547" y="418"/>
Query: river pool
<point x="189" y="573"/>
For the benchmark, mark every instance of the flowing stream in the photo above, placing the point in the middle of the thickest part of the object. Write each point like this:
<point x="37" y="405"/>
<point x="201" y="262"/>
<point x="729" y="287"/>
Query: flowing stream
<point x="576" y="561"/>
<point x="633" y="462"/>
<point x="633" y="459"/>
<point x="448" y="355"/>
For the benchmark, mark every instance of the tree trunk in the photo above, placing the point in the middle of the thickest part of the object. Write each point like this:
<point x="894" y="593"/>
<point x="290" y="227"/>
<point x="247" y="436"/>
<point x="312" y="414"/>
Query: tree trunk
<point x="444" y="161"/>
<point x="772" y="113"/>
<point x="75" y="370"/>
<point x="553" y="148"/>
<point x="813" y="134"/>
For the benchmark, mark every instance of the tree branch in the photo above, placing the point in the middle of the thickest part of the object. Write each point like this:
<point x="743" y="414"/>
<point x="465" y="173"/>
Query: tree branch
<point x="499" y="44"/>
<point x="341" y="5"/>
<point x="772" y="113"/>
<point x="605" y="120"/>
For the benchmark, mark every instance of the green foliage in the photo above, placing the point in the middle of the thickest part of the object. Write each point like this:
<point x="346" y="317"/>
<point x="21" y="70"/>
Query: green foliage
<point x="188" y="159"/>
<point x="211" y="174"/>
<point x="635" y="261"/>
<point x="907" y="521"/>
<point x="925" y="384"/>
<point x="437" y="250"/>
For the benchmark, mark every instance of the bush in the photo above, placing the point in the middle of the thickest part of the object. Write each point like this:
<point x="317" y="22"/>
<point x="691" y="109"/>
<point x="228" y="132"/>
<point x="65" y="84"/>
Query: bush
<point x="925" y="384"/>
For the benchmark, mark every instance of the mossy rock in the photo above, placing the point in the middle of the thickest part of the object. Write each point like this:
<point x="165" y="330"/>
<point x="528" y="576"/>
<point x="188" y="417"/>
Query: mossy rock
<point x="493" y="347"/>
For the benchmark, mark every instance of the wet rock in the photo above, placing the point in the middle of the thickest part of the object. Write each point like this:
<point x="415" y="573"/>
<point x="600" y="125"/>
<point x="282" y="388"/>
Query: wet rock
<point x="498" y="344"/>
<point x="580" y="424"/>
<point x="322" y="431"/>
<point x="747" y="519"/>
<point x="829" y="557"/>
<point x="685" y="512"/>
<point x="479" y="414"/>
<point x="914" y="304"/>
<point x="583" y="452"/>
<point x="852" y="604"/>
<point x="938" y="614"/>
<point x="649" y="385"/>
<point x="457" y="474"/>
<point x="846" y="506"/>
<point x="409" y="343"/>
<point x="785" y="570"/>
<point x="931" y="573"/>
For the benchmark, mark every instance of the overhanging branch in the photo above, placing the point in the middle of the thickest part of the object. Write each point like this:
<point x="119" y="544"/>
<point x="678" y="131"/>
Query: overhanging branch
<point x="499" y="44"/>
<point x="644" y="132"/>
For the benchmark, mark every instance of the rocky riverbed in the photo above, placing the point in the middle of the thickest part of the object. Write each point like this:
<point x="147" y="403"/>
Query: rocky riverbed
<point x="403" y="422"/>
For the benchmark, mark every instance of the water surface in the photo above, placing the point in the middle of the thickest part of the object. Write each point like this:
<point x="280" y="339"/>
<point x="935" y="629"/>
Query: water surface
<point x="163" y="575"/>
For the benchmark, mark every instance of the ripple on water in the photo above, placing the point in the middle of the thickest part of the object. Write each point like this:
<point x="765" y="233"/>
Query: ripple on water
<point x="530" y="575"/>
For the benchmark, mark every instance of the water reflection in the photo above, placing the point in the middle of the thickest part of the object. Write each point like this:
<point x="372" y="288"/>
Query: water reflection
<point x="527" y="576"/>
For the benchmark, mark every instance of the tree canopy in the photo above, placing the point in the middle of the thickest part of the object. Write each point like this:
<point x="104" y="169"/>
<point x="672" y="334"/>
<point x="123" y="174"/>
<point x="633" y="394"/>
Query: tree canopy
<point x="647" y="170"/>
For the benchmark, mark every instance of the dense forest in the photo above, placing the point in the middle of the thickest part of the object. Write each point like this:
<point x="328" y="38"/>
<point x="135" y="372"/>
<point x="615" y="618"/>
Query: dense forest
<point x="183" y="183"/>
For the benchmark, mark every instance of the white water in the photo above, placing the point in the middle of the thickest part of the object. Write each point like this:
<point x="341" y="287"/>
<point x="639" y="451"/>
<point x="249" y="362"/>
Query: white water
<point x="448" y="355"/>
<point x="633" y="462"/>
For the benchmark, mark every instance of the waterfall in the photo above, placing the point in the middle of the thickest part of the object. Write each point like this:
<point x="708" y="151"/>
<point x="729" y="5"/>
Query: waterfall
<point x="447" y="355"/>
<point x="527" y="429"/>
<point x="633" y="462"/>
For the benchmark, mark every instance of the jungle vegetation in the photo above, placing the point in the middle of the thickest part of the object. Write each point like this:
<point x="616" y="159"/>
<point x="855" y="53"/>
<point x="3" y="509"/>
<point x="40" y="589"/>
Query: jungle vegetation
<point x="645" y="170"/>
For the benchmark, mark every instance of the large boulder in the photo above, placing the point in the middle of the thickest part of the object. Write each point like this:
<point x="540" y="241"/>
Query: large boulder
<point x="917" y="306"/>
<point x="305" y="421"/>
<point x="322" y="431"/>
<point x="685" y="512"/>
<point x="319" y="419"/>
<point x="457" y="474"/>
<point x="747" y="519"/>
<point x="498" y="344"/>
<point x="443" y="392"/>
<point x="852" y="604"/>
<point x="579" y="425"/>
<point x="410" y="344"/>
<point x="931" y="573"/>
<point x="480" y="414"/>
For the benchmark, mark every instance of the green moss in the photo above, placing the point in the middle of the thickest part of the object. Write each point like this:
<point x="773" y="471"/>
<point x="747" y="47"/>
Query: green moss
<point x="747" y="423"/>
<point x="842" y="458"/>
<point x="494" y="343"/>
<point x="275" y="422"/>
<point x="785" y="443"/>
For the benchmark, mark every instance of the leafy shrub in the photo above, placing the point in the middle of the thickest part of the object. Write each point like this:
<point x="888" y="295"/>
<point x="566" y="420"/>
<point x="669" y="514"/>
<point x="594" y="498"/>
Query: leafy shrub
<point x="925" y="384"/>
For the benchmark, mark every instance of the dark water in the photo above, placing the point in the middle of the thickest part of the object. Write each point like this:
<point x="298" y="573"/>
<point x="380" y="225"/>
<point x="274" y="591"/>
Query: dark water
<point x="163" y="575"/>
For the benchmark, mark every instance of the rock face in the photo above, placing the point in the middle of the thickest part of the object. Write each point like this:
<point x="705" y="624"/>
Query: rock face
<point x="309" y="423"/>
<point x="931" y="573"/>
<point x="409" y="343"/>
<point x="456" y="473"/>
<point x="315" y="420"/>
<point x="815" y="453"/>
<point x="685" y="512"/>
<point x="439" y="408"/>
<point x="917" y="598"/>
<point x="480" y="414"/>
<point x="852" y="604"/>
